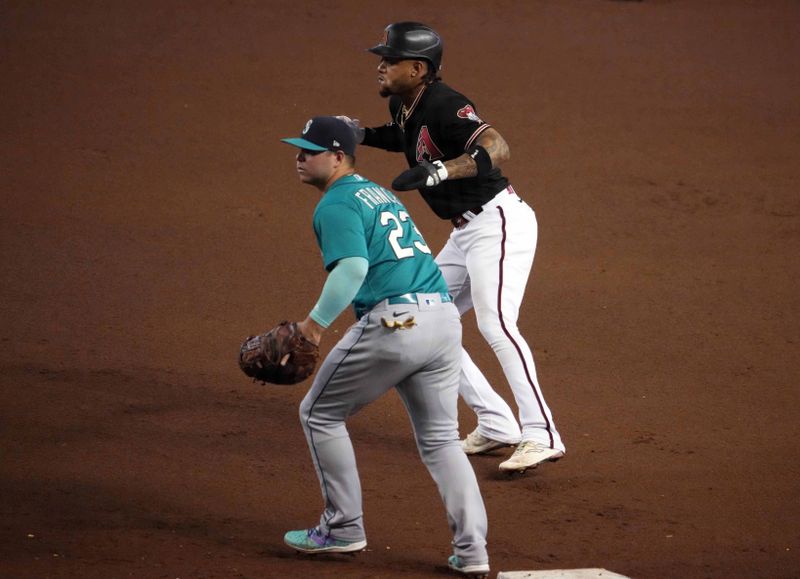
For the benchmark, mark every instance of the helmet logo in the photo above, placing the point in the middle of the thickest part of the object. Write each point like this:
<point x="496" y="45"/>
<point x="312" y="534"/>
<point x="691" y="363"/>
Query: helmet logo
<point x="469" y="113"/>
<point x="385" y="39"/>
<point x="308" y="126"/>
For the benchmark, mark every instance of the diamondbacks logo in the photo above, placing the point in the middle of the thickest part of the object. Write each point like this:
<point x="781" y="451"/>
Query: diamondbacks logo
<point x="469" y="113"/>
<point x="426" y="146"/>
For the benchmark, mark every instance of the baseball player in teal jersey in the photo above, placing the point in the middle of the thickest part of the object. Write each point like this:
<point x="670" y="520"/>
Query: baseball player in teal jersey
<point x="407" y="337"/>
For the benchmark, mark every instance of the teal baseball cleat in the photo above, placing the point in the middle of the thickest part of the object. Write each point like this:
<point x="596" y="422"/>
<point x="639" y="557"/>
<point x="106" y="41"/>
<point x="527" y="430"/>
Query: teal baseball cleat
<point x="478" y="570"/>
<point x="312" y="541"/>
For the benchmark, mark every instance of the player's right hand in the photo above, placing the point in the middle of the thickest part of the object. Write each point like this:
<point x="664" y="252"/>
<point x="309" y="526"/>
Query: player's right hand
<point x="355" y="126"/>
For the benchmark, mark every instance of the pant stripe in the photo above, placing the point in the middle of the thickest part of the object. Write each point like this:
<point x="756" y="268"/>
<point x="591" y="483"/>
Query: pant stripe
<point x="311" y="411"/>
<point x="548" y="427"/>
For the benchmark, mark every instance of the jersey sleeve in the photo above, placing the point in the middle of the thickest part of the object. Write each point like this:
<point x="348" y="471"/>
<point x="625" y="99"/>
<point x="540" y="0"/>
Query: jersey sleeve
<point x="460" y="121"/>
<point x="340" y="233"/>
<point x="388" y="136"/>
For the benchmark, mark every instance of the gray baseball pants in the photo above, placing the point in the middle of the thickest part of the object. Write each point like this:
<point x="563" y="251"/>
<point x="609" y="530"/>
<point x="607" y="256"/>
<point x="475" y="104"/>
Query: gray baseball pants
<point x="423" y="364"/>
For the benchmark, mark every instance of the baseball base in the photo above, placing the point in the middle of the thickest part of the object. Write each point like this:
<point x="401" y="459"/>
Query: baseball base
<point x="561" y="574"/>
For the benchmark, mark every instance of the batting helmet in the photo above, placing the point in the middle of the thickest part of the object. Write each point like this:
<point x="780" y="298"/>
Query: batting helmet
<point x="411" y="40"/>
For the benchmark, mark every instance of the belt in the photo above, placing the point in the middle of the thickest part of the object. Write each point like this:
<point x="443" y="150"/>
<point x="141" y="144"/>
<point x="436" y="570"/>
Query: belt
<point x="412" y="299"/>
<point x="460" y="221"/>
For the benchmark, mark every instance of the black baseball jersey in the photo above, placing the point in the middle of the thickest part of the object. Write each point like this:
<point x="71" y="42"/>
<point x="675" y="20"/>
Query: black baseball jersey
<point x="440" y="125"/>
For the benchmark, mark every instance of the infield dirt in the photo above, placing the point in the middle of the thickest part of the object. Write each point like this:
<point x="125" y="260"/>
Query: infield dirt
<point x="151" y="219"/>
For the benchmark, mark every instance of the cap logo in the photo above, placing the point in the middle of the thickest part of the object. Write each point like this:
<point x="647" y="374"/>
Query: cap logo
<point x="308" y="126"/>
<point x="336" y="143"/>
<point x="385" y="38"/>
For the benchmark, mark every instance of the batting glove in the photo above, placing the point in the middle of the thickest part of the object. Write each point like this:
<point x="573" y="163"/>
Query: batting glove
<point x="423" y="175"/>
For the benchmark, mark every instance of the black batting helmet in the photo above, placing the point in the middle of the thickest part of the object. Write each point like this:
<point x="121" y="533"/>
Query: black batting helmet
<point x="411" y="40"/>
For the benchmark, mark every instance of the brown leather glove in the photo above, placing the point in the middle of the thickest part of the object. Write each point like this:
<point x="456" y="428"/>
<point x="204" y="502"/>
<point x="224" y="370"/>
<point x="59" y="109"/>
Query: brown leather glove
<point x="281" y="356"/>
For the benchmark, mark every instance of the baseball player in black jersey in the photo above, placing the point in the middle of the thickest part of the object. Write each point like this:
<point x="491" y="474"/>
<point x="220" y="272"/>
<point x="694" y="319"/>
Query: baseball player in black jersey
<point x="454" y="159"/>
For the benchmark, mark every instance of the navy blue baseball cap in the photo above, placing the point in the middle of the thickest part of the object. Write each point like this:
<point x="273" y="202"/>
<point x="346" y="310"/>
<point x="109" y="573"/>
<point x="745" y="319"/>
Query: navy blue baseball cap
<point x="326" y="134"/>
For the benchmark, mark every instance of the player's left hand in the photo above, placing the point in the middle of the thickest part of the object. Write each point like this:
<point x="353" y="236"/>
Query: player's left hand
<point x="423" y="175"/>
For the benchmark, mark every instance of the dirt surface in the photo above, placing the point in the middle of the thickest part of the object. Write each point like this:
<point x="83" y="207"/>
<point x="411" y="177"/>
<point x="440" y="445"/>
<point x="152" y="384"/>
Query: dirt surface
<point x="151" y="219"/>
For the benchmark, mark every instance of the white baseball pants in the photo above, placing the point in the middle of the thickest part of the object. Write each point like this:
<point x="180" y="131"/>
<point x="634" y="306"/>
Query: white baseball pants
<point x="486" y="264"/>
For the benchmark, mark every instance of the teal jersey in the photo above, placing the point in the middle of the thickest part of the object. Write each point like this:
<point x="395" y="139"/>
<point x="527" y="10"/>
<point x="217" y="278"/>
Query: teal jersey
<point x="358" y="218"/>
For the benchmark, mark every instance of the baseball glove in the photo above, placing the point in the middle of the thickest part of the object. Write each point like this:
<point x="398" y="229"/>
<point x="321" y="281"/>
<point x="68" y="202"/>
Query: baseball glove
<point x="281" y="356"/>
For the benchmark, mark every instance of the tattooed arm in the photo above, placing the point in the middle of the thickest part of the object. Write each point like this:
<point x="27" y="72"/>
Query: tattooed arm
<point x="465" y="166"/>
<point x="489" y="151"/>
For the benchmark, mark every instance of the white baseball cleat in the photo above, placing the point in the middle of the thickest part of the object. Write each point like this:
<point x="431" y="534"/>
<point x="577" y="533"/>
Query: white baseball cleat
<point x="476" y="443"/>
<point x="530" y="454"/>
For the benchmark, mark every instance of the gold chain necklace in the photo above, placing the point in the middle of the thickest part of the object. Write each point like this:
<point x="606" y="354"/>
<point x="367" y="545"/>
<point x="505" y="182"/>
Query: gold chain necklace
<point x="403" y="116"/>
<point x="405" y="111"/>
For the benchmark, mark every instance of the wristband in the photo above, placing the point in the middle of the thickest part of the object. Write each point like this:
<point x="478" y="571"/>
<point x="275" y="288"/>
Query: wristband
<point x="483" y="162"/>
<point x="438" y="173"/>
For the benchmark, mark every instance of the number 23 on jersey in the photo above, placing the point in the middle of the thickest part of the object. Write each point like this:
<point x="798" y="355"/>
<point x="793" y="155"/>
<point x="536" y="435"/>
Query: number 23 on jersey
<point x="402" y="238"/>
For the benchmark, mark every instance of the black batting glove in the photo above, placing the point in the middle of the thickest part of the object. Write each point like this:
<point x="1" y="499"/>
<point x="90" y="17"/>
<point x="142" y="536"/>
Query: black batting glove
<point x="423" y="175"/>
